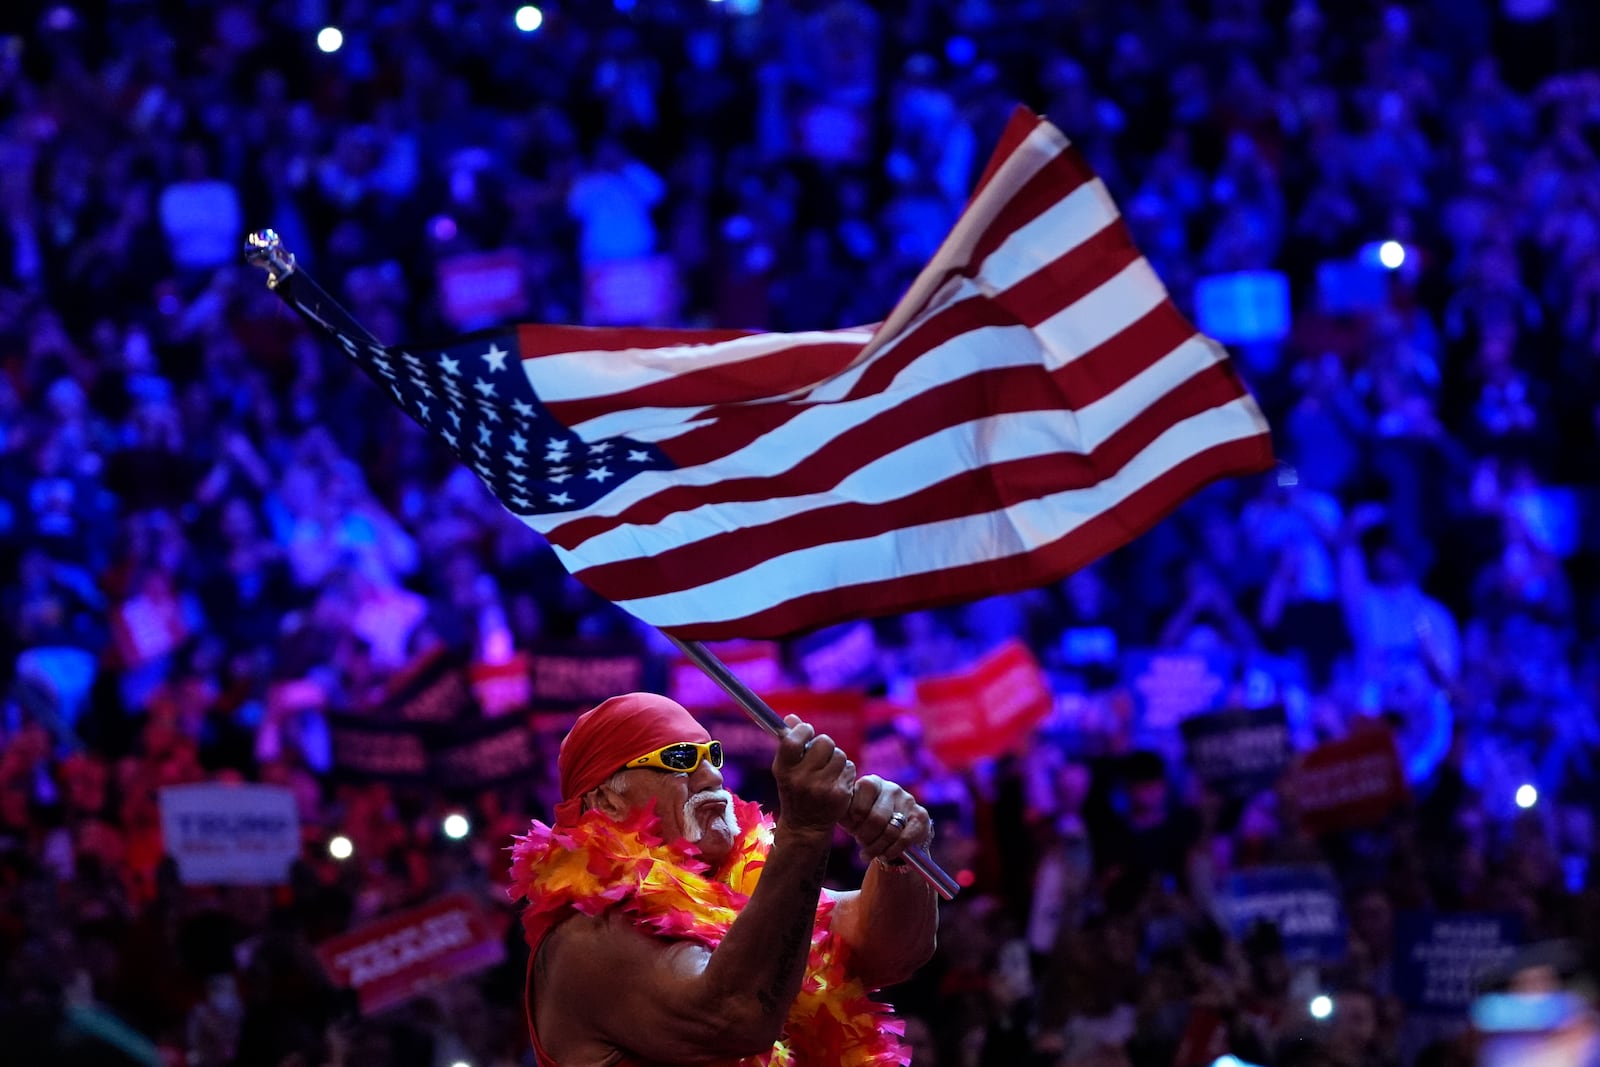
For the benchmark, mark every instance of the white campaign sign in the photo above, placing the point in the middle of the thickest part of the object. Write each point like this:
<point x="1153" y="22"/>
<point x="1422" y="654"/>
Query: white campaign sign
<point x="225" y="834"/>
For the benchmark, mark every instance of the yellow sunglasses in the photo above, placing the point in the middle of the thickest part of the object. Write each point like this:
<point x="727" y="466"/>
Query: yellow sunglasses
<point x="682" y="757"/>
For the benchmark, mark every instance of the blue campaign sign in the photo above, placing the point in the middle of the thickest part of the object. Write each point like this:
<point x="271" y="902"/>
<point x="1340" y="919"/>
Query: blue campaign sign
<point x="839" y="657"/>
<point x="1169" y="685"/>
<point x="1239" y="752"/>
<point x="1302" y="902"/>
<point x="1439" y="960"/>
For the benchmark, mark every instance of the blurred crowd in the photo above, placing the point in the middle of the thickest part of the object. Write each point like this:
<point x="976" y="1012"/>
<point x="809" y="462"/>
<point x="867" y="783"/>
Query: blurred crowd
<point x="213" y="530"/>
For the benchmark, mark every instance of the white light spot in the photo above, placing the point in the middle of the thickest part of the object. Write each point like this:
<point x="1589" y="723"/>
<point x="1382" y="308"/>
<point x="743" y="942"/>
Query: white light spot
<point x="340" y="848"/>
<point x="1321" y="1006"/>
<point x="456" y="826"/>
<point x="529" y="18"/>
<point x="1527" y="796"/>
<point x="1392" y="254"/>
<point x="329" y="39"/>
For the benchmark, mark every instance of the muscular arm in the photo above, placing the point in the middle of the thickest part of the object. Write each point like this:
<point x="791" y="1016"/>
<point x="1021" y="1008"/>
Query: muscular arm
<point x="606" y="986"/>
<point x="892" y="923"/>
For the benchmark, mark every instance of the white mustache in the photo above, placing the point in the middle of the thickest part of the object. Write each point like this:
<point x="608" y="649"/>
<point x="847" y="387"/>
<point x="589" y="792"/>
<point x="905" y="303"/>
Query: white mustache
<point x="692" y="830"/>
<point x="710" y="796"/>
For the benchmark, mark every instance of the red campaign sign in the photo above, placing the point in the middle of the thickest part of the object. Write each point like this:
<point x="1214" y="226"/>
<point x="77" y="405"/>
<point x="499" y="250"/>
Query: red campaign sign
<point x="884" y="712"/>
<point x="482" y="288"/>
<point x="986" y="710"/>
<point x="840" y="714"/>
<point x="1351" y="783"/>
<point x="757" y="663"/>
<point x="502" y="688"/>
<point x="400" y="956"/>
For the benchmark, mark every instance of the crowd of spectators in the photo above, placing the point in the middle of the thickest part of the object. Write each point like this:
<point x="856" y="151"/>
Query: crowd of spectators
<point x="212" y="529"/>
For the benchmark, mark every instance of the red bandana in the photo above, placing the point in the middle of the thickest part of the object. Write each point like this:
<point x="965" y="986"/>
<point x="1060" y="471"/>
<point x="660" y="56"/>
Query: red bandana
<point x="603" y="740"/>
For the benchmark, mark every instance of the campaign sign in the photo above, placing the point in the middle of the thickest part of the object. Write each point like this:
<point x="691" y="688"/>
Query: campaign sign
<point x="480" y="289"/>
<point x="1239" y="752"/>
<point x="364" y="750"/>
<point x="757" y="663"/>
<point x="223" y="833"/>
<point x="1302" y="902"/>
<point x="1247" y="307"/>
<point x="840" y="715"/>
<point x="986" y="710"/>
<point x="550" y="727"/>
<point x="391" y="960"/>
<point x="584" y="677"/>
<point x="631" y="292"/>
<point x="742" y="738"/>
<point x="502" y="688"/>
<point x="487" y="756"/>
<point x="1169" y="686"/>
<point x="1351" y="783"/>
<point x="547" y="729"/>
<point x="839" y="657"/>
<point x="467" y="755"/>
<point x="1440" y="959"/>
<point x="432" y="688"/>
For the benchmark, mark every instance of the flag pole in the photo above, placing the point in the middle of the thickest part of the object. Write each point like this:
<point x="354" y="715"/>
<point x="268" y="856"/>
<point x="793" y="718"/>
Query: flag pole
<point x="264" y="249"/>
<point x="285" y="276"/>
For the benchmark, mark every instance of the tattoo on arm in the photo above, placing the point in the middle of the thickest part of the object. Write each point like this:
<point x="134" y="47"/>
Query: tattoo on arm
<point x="796" y="943"/>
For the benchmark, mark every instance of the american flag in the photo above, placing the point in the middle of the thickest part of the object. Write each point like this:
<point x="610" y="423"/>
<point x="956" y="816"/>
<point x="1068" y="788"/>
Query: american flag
<point x="1034" y="401"/>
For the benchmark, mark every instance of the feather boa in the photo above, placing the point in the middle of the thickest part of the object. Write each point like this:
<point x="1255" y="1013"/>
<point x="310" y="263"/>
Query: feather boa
<point x="664" y="889"/>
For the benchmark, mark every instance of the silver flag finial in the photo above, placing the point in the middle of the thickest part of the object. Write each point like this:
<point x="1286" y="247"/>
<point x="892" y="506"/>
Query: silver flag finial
<point x="264" y="249"/>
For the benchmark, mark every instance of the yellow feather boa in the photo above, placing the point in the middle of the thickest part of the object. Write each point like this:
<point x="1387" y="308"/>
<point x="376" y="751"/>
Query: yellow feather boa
<point x="599" y="865"/>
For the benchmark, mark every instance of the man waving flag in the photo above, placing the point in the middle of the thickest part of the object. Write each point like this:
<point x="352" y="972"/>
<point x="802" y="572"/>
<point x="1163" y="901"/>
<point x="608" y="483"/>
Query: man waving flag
<point x="1033" y="402"/>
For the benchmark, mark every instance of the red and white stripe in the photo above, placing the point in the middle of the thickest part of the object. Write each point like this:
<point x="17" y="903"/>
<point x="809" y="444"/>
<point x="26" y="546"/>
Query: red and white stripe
<point x="1033" y="402"/>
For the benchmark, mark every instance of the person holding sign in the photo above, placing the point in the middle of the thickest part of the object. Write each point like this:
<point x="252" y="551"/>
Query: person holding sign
<point x="670" y="922"/>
